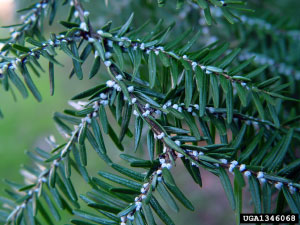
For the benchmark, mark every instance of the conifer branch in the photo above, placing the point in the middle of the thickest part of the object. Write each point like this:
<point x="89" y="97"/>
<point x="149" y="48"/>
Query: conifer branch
<point x="165" y="98"/>
<point x="48" y="174"/>
<point x="28" y="22"/>
<point x="157" y="49"/>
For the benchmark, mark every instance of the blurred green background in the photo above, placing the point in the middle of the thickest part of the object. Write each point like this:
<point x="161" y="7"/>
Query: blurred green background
<point x="26" y="122"/>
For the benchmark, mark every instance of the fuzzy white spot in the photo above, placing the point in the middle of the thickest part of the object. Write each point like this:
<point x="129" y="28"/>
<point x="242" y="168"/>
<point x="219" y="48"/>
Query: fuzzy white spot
<point x="110" y="83"/>
<point x="175" y="106"/>
<point x="88" y="119"/>
<point x="262" y="180"/>
<point x="33" y="18"/>
<point x="247" y="173"/>
<point x="130" y="217"/>
<point x="108" y="55"/>
<point x="169" y="166"/>
<point x="96" y="54"/>
<point x="55" y="163"/>
<point x="179" y="155"/>
<point x="162" y="161"/>
<point x="135" y="113"/>
<point x="177" y="142"/>
<point x="76" y="14"/>
<point x="145" y="114"/>
<point x="103" y="96"/>
<point x="260" y="175"/>
<point x="91" y="40"/>
<point x="278" y="185"/>
<point x="15" y="34"/>
<point x="164" y="149"/>
<point x="234" y="162"/>
<point x="125" y="39"/>
<point x="117" y="87"/>
<point x="211" y="109"/>
<point x="231" y="167"/>
<point x="292" y="189"/>
<point x="119" y="77"/>
<point x="107" y="63"/>
<point x="160" y="136"/>
<point x="83" y="26"/>
<point x="194" y="64"/>
<point x="224" y="161"/>
<point x="130" y="88"/>
<point x="143" y="190"/>
<point x="110" y="43"/>
<point x="242" y="167"/>
<point x="100" y="32"/>
<point x="104" y="102"/>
